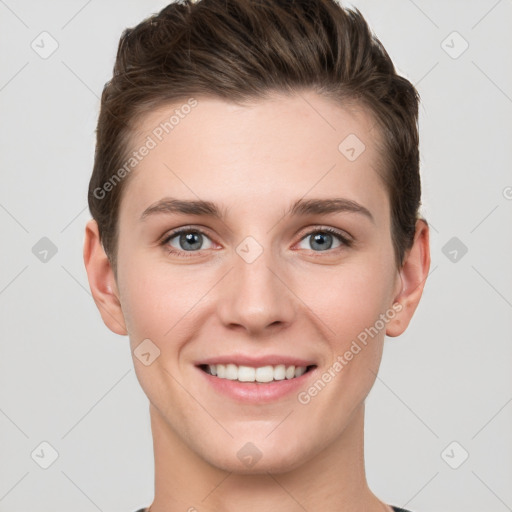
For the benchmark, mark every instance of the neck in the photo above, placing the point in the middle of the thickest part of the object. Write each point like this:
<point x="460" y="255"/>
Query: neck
<point x="333" y="480"/>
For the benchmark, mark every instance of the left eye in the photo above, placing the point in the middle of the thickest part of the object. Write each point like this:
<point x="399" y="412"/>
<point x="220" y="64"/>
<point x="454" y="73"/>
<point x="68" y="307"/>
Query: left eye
<point x="322" y="240"/>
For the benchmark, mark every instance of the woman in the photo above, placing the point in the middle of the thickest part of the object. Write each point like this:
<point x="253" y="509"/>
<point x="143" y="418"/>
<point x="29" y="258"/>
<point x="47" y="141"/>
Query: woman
<point x="256" y="234"/>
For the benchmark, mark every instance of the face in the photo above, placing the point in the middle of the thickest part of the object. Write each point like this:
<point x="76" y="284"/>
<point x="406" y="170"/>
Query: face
<point x="253" y="281"/>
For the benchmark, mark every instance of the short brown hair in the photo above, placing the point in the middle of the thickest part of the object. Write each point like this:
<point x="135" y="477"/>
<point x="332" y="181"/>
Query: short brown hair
<point x="239" y="50"/>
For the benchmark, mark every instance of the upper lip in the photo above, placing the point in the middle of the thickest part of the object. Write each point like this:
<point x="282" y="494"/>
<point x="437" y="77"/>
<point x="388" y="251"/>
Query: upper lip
<point x="256" y="362"/>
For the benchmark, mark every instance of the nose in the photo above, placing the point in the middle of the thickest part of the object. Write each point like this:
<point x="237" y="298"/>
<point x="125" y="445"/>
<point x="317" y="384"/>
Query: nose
<point x="255" y="296"/>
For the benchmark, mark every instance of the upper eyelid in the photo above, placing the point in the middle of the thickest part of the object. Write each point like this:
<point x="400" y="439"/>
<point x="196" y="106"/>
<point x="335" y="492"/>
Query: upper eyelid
<point x="185" y="229"/>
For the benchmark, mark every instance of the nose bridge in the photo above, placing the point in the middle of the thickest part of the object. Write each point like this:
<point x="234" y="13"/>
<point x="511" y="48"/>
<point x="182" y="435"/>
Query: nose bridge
<point x="256" y="296"/>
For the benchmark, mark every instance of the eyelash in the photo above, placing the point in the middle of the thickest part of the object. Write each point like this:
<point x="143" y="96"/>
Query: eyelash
<point x="187" y="254"/>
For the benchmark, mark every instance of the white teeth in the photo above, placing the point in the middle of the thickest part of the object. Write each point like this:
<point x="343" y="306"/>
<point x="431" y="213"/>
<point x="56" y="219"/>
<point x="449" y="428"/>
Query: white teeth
<point x="250" y="374"/>
<point x="300" y="370"/>
<point x="231" y="372"/>
<point x="221" y="371"/>
<point x="279" y="372"/>
<point x="290" y="372"/>
<point x="246" y="374"/>
<point x="265" y="374"/>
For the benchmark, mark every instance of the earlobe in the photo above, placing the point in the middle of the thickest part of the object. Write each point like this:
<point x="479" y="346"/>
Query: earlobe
<point x="413" y="275"/>
<point x="102" y="281"/>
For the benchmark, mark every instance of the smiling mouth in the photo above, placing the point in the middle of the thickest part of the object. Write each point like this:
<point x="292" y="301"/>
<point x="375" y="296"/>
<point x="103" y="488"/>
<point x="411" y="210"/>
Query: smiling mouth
<point x="262" y="374"/>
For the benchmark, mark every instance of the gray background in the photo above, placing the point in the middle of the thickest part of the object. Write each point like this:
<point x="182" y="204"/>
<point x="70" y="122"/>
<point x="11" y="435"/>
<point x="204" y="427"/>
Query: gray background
<point x="68" y="381"/>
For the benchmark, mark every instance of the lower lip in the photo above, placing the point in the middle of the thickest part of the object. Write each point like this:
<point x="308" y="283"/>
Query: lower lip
<point x="257" y="392"/>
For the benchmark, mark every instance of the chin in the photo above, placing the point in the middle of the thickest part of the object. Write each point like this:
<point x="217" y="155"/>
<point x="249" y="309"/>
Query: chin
<point x="252" y="460"/>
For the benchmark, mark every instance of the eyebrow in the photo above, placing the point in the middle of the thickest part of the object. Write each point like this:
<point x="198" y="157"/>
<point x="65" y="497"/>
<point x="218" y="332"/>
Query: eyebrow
<point x="300" y="207"/>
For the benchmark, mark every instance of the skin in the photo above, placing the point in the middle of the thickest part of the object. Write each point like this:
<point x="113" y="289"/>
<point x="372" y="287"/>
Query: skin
<point x="296" y="299"/>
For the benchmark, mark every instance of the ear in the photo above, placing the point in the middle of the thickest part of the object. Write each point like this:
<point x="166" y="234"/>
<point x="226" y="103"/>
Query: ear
<point x="102" y="281"/>
<point x="413" y="275"/>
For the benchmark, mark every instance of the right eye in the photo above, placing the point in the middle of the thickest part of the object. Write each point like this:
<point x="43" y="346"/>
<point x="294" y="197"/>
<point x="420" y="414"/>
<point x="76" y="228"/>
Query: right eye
<point x="186" y="240"/>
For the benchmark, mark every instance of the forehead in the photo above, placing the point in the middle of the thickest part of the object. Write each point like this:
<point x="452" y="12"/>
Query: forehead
<point x="265" y="152"/>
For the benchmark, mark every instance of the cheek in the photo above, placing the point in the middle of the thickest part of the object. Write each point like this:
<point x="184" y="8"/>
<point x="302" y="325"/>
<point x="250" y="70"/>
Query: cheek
<point x="158" y="306"/>
<point x="161" y="302"/>
<point x="347" y="300"/>
<point x="150" y="299"/>
<point x="350" y="310"/>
